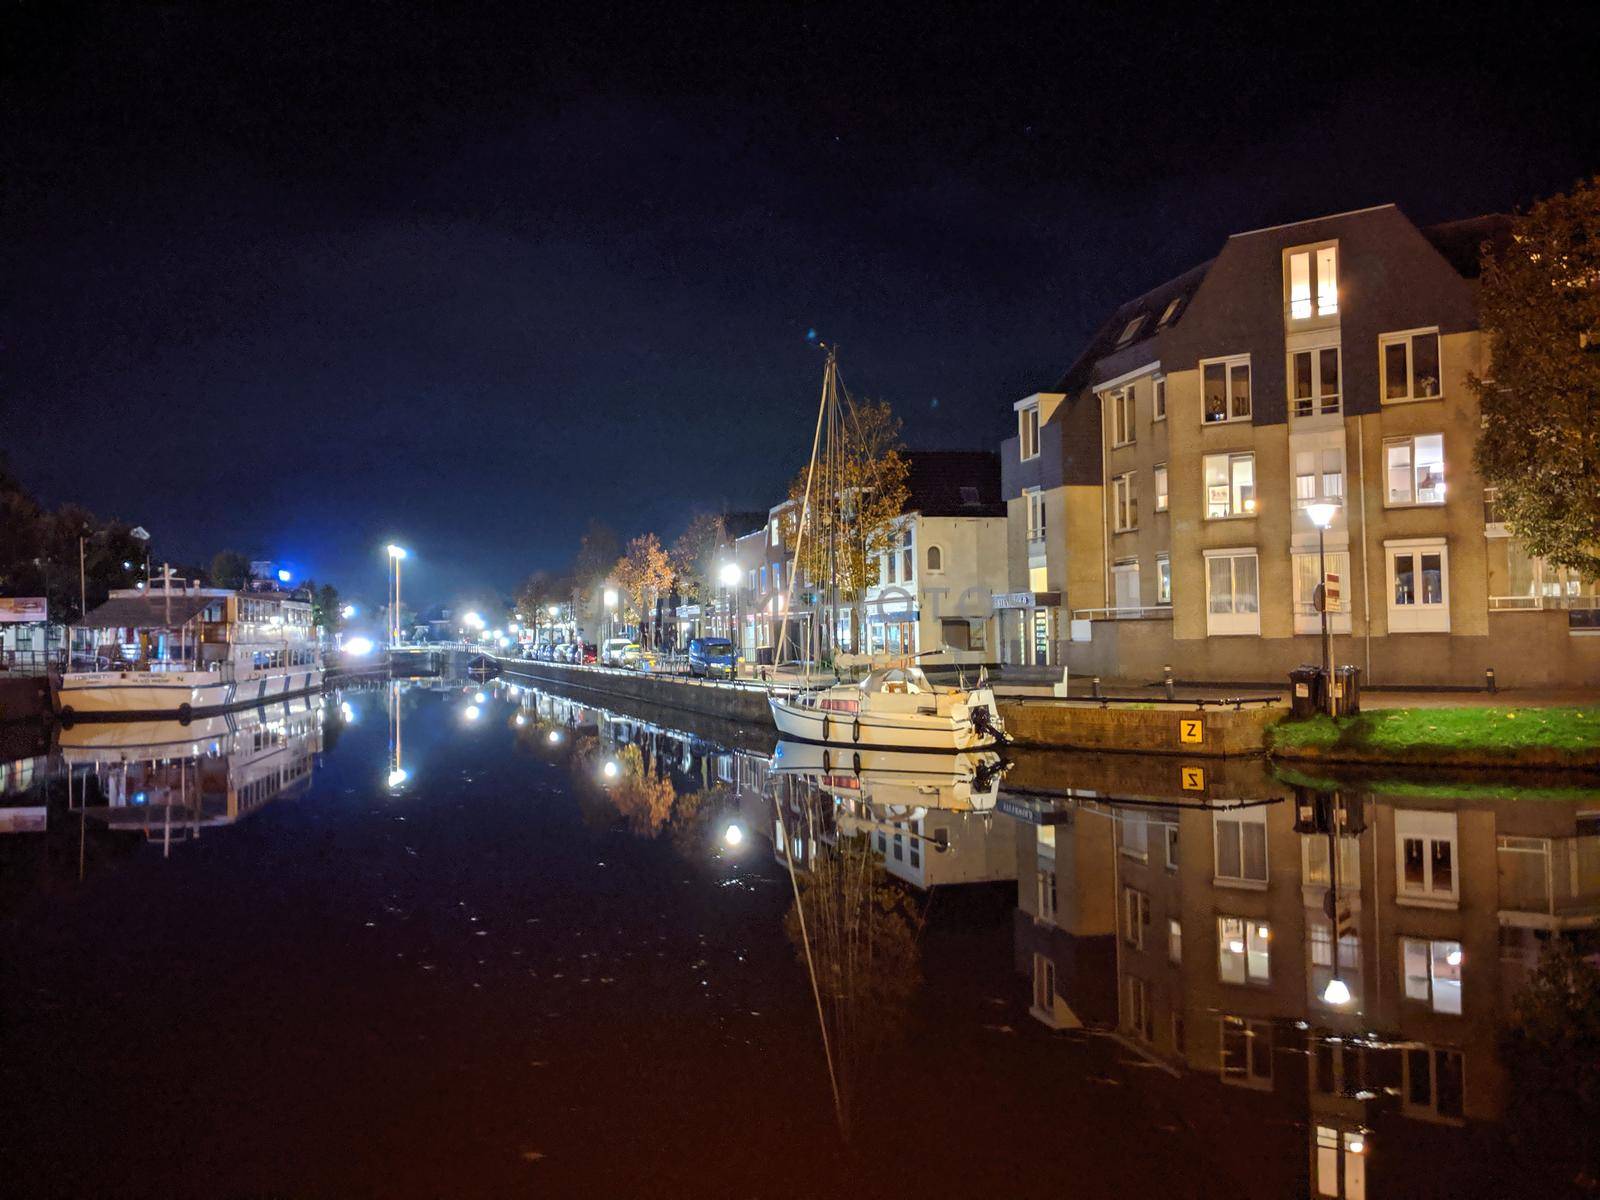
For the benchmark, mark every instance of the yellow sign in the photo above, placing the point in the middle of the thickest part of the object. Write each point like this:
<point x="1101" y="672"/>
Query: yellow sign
<point x="1192" y="732"/>
<point x="1193" y="778"/>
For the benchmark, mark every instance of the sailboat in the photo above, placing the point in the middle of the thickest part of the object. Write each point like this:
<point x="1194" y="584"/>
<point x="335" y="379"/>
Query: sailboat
<point x="895" y="707"/>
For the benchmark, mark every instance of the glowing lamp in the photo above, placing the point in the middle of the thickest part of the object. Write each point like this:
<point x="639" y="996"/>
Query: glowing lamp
<point x="472" y="712"/>
<point x="396" y="551"/>
<point x="610" y="770"/>
<point x="1454" y="957"/>
<point x="729" y="574"/>
<point x="398" y="776"/>
<point x="1322" y="513"/>
<point x="732" y="837"/>
<point x="1337" y="992"/>
<point x="284" y="575"/>
<point x="359" y="646"/>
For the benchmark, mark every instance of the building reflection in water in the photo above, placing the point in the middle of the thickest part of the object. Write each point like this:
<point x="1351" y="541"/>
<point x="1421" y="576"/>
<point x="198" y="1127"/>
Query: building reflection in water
<point x="1351" y="953"/>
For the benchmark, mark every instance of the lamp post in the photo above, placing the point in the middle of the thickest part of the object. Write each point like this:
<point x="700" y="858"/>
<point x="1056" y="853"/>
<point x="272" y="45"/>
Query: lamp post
<point x="729" y="575"/>
<point x="1322" y="514"/>
<point x="396" y="554"/>
<point x="611" y="613"/>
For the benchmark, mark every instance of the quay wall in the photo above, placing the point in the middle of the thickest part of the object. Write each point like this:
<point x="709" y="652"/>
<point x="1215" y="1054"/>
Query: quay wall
<point x="1167" y="730"/>
<point x="24" y="698"/>
<point x="744" y="704"/>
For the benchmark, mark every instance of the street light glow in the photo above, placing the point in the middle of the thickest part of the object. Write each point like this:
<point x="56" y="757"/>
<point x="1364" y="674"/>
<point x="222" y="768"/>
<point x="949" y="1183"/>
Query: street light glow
<point x="1322" y="513"/>
<point x="611" y="597"/>
<point x="473" y="620"/>
<point x="732" y="837"/>
<point x="555" y="737"/>
<point x="729" y="574"/>
<point x="472" y="712"/>
<point x="348" y="611"/>
<point x="398" y="776"/>
<point x="1337" y="992"/>
<point x="610" y="769"/>
<point x="479" y="698"/>
<point x="554" y="610"/>
<point x="285" y="575"/>
<point x="359" y="646"/>
<point x="396" y="551"/>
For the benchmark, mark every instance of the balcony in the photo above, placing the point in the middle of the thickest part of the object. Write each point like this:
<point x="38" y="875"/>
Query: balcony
<point x="1550" y="883"/>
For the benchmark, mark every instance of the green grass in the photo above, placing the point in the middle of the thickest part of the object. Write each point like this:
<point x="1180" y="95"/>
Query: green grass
<point x="1443" y="735"/>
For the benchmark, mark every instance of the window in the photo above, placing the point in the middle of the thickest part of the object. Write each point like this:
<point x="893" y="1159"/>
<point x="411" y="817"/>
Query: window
<point x="1044" y="983"/>
<point x="1246" y="1052"/>
<point x="1432" y="1083"/>
<point x="1230" y="485"/>
<point x="1244" y="950"/>
<point x="1134" y="835"/>
<point x="1322" y="950"/>
<point x="752" y="580"/>
<point x="1172" y="847"/>
<point x="1171" y="312"/>
<point x="1131" y="330"/>
<point x="763" y="581"/>
<point x="1307" y="619"/>
<point x="1141" y="1014"/>
<point x="1344" y="1149"/>
<point x="774" y="531"/>
<point x="1425" y="857"/>
<point x="1163" y="579"/>
<point x="777" y="577"/>
<point x="1046" y="882"/>
<point x="1232" y="591"/>
<point x="1432" y="973"/>
<point x="1035" y="499"/>
<point x="1226" y="383"/>
<point x="1414" y="469"/>
<point x="1123" y="432"/>
<point x="1410" y="366"/>
<point x="1319" y="475"/>
<point x="1314" y="382"/>
<point x="908" y="555"/>
<point x="1313" y="273"/>
<point x="1158" y="391"/>
<point x="1161" y="487"/>
<point x="1125" y="583"/>
<point x="1125" y="502"/>
<point x="890" y="566"/>
<point x="1038" y="577"/>
<point x="1174" y="940"/>
<point x="1241" y="839"/>
<point x="1135" y="916"/>
<point x="1419" y="586"/>
<point x="1028" y="431"/>
<point x="935" y="559"/>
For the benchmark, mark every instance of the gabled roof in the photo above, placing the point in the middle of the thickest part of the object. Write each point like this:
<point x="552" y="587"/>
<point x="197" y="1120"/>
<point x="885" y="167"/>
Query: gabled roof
<point x="1461" y="242"/>
<point x="1149" y="309"/>
<point x="954" y="483"/>
<point x="148" y="612"/>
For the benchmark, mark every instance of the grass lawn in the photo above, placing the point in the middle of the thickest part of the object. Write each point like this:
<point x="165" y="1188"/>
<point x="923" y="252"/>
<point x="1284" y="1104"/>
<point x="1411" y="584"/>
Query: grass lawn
<point x="1557" y="736"/>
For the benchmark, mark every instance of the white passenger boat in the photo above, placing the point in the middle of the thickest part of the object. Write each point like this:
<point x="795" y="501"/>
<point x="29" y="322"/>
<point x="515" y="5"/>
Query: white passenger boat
<point x="892" y="708"/>
<point x="897" y="781"/>
<point x="181" y="652"/>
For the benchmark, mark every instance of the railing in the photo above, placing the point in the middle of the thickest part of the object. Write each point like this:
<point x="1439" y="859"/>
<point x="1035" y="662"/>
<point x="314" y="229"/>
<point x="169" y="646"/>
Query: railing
<point x="1126" y="612"/>
<point x="1537" y="602"/>
<point x="1315" y="406"/>
<point x="1551" y="877"/>
<point x="29" y="662"/>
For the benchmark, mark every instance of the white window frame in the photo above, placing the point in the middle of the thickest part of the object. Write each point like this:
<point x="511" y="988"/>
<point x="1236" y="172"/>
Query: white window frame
<point x="1141" y="1012"/>
<point x="1414" y="484"/>
<point x="1430" y="829"/>
<point x="1241" y="817"/>
<point x="1228" y="364"/>
<point x="1233" y="623"/>
<point x="1124" y="502"/>
<point x="1406" y="337"/>
<point x="1028" y="432"/>
<point x="1163" y="579"/>
<point x="1444" y="994"/>
<point x="1034" y="498"/>
<point x="1319" y="476"/>
<point x="1121" y="590"/>
<point x="1417" y="617"/>
<point x="1247" y="507"/>
<point x="1158" y="398"/>
<point x="1320" y="301"/>
<point x="1130" y="331"/>
<point x="1135" y="917"/>
<point x="1253" y="955"/>
<point x="1163" y="487"/>
<point x="1430" y="1111"/>
<point x="775" y="530"/>
<point x="1124" y="411"/>
<point x="1318" y="403"/>
<point x="1303" y="565"/>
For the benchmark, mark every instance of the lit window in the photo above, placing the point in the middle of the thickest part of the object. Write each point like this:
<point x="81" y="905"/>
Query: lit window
<point x="1174" y="940"/>
<point x="1414" y="469"/>
<point x="1232" y="592"/>
<point x="1227" y="389"/>
<point x="1410" y="366"/>
<point x="1161" y="487"/>
<point x="1028" y="431"/>
<point x="1319" y="475"/>
<point x="1159" y="394"/>
<point x="1327" y="281"/>
<point x="1313" y="283"/>
<point x="1314" y="382"/>
<point x="1432" y="973"/>
<point x="1125" y="502"/>
<point x="1244" y="950"/>
<point x="1419" y="586"/>
<point x="1305" y="583"/>
<point x="1035" y="499"/>
<point x="1230" y="485"/>
<point x="1135" y="917"/>
<point x="1164" y="584"/>
<point x="774" y="529"/>
<point x="1241" y="840"/>
<point x="1170" y="313"/>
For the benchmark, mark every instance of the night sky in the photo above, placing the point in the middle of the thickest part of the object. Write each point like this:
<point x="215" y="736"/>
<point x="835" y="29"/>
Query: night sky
<point x="301" y="279"/>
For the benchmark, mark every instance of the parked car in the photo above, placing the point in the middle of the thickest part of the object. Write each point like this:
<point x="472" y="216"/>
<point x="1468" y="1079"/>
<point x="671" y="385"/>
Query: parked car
<point x="620" y="652"/>
<point x="712" y="656"/>
<point x="586" y="653"/>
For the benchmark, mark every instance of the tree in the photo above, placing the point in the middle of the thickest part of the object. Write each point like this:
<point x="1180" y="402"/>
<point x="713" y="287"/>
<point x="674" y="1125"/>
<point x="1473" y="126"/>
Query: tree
<point x="1552" y="1050"/>
<point x="853" y="508"/>
<point x="326" y="612"/>
<point x="643" y="574"/>
<point x="1540" y="443"/>
<point x="229" y="569"/>
<point x="597" y="554"/>
<point x="695" y="555"/>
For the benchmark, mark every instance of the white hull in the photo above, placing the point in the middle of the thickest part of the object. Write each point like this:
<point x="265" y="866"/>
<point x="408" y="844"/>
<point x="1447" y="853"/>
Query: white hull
<point x="946" y="733"/>
<point x="123" y="694"/>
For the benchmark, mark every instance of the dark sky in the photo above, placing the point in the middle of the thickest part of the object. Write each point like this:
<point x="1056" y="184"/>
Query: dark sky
<point x="300" y="279"/>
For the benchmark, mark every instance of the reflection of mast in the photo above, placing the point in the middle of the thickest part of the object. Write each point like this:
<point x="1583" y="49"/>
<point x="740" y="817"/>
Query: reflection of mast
<point x="397" y="771"/>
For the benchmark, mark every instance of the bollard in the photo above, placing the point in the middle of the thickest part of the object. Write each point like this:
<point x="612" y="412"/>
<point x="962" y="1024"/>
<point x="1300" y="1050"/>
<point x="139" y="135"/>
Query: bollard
<point x="1171" y="691"/>
<point x="1094" y="687"/>
<point x="1488" y="679"/>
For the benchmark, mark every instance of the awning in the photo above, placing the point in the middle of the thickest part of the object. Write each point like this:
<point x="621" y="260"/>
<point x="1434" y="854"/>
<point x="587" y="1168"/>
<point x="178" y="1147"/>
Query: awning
<point x="147" y="612"/>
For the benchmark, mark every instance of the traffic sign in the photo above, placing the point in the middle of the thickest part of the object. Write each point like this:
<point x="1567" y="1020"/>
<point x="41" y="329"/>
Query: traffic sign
<point x="1193" y="779"/>
<point x="1191" y="730"/>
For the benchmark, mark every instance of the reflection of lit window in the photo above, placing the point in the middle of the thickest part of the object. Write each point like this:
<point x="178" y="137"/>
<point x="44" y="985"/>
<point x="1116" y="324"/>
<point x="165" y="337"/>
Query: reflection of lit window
<point x="1425" y="850"/>
<point x="1174" y="940"/>
<point x="1341" y="1163"/>
<point x="1244" y="950"/>
<point x="1433" y="973"/>
<point x="1246" y="1052"/>
<point x="1141" y="1013"/>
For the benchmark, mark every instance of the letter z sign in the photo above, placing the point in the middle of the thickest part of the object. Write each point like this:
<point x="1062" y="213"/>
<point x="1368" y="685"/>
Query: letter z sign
<point x="1191" y="731"/>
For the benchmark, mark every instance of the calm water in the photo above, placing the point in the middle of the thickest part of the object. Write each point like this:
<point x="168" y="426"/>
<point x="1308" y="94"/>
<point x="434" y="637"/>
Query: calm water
<point x="415" y="941"/>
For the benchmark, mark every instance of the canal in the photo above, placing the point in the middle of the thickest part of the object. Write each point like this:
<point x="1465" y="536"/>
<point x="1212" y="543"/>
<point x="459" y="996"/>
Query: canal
<point x="446" y="938"/>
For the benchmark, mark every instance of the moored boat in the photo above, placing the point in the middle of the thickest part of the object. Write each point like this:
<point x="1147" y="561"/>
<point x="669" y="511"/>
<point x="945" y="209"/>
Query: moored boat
<point x="892" y="708"/>
<point x="181" y="652"/>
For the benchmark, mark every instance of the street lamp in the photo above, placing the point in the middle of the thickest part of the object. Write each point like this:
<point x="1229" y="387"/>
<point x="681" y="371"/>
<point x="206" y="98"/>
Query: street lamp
<point x="396" y="553"/>
<point x="729" y="575"/>
<point x="1322" y="514"/>
<point x="611" y="613"/>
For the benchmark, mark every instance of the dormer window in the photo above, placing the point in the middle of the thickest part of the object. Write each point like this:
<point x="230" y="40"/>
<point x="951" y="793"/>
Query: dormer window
<point x="1028" y="432"/>
<point x="1170" y="313"/>
<point x="1131" y="330"/>
<point x="1313" y="282"/>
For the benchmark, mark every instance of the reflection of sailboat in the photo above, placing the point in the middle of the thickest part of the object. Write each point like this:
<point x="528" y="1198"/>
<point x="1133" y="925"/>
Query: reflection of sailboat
<point x="898" y="779"/>
<point x="170" y="780"/>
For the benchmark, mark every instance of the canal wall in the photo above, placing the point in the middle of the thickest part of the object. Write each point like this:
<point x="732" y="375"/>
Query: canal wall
<point x="742" y="703"/>
<point x="24" y="697"/>
<point x="1168" y="729"/>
